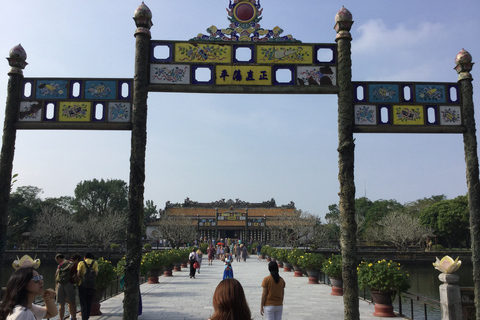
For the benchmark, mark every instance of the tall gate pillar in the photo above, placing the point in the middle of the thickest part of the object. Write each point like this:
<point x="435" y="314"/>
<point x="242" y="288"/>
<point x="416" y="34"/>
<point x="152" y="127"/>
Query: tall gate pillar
<point x="143" y="21"/>
<point x="346" y="162"/>
<point x="463" y="68"/>
<point x="17" y="60"/>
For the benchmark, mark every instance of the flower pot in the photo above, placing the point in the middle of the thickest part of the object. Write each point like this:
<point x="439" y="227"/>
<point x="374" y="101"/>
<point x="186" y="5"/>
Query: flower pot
<point x="268" y="258"/>
<point x="167" y="271"/>
<point x="95" y="311"/>
<point x="153" y="276"/>
<point x="337" y="286"/>
<point x="287" y="266"/>
<point x="185" y="264"/>
<point x="313" y="276"/>
<point x="298" y="271"/>
<point x="177" y="267"/>
<point x="383" y="304"/>
<point x="280" y="263"/>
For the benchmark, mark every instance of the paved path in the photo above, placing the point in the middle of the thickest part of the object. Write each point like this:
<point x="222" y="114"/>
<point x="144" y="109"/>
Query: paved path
<point x="180" y="297"/>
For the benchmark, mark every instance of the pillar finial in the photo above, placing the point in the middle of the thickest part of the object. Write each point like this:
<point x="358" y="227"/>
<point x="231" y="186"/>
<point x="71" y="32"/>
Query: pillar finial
<point x="17" y="59"/>
<point x="464" y="63"/>
<point x="143" y="19"/>
<point x="343" y="24"/>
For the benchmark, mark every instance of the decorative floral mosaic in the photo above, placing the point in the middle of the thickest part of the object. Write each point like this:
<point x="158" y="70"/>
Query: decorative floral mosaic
<point x="244" y="17"/>
<point x="430" y="93"/>
<point x="202" y="53"/>
<point x="285" y="54"/>
<point x="51" y="89"/>
<point x="75" y="111"/>
<point x="162" y="73"/>
<point x="408" y="115"/>
<point x="365" y="115"/>
<point x="119" y="112"/>
<point x="100" y="89"/>
<point x="324" y="76"/>
<point x="384" y="93"/>
<point x="30" y="111"/>
<point x="450" y="115"/>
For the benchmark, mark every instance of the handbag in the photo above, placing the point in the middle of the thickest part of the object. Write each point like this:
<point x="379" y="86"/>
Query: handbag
<point x="196" y="265"/>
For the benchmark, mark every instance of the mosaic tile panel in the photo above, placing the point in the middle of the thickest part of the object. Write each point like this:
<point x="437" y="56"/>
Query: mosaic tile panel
<point x="321" y="75"/>
<point x="170" y="73"/>
<point x="384" y="93"/>
<point x="30" y="111"/>
<point x="119" y="112"/>
<point x="450" y="115"/>
<point x="365" y="115"/>
<point x="408" y="115"/>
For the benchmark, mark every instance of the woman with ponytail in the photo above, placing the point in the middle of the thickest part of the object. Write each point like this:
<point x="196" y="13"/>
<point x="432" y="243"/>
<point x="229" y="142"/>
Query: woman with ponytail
<point x="272" y="296"/>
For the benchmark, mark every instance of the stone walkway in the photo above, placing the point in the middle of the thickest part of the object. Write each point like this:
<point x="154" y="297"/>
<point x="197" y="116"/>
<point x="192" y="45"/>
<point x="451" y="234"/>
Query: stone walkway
<point x="179" y="297"/>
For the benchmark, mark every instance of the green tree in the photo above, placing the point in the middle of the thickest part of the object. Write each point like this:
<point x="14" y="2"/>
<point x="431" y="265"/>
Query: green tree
<point x="94" y="197"/>
<point x="450" y="220"/>
<point x="150" y="212"/>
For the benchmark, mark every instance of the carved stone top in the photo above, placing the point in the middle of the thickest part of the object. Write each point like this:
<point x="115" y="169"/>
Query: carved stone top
<point x="464" y="63"/>
<point x="222" y="203"/>
<point x="343" y="15"/>
<point x="343" y="24"/>
<point x="143" y="19"/>
<point x="16" y="59"/>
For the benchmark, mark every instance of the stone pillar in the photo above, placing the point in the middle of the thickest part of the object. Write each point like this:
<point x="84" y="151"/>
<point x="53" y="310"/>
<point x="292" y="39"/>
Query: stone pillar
<point x="17" y="61"/>
<point x="450" y="299"/>
<point x="463" y="68"/>
<point x="346" y="162"/>
<point x="143" y="21"/>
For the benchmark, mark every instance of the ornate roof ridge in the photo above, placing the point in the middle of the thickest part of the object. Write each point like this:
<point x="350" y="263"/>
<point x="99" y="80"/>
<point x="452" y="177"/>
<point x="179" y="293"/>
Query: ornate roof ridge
<point x="222" y="203"/>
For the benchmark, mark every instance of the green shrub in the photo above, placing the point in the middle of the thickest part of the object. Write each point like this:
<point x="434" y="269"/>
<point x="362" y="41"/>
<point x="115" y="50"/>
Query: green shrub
<point x="437" y="247"/>
<point x="147" y="246"/>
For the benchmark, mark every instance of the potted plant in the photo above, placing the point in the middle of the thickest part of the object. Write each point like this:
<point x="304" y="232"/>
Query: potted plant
<point x="312" y="264"/>
<point x="265" y="252"/>
<point x="281" y="257"/>
<point x="333" y="270"/>
<point x="151" y="265"/>
<point x="385" y="279"/>
<point x="293" y="257"/>
<point x="106" y="274"/>
<point x="168" y="257"/>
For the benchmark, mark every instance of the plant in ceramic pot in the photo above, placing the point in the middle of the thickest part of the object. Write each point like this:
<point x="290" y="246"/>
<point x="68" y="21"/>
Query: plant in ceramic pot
<point x="106" y="274"/>
<point x="385" y="279"/>
<point x="151" y="265"/>
<point x="332" y="267"/>
<point x="168" y="257"/>
<point x="293" y="257"/>
<point x="311" y="263"/>
<point x="273" y="253"/>
<point x="281" y="257"/>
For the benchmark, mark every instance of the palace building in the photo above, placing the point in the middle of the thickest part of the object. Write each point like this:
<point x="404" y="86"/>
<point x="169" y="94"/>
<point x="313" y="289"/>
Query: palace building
<point x="227" y="218"/>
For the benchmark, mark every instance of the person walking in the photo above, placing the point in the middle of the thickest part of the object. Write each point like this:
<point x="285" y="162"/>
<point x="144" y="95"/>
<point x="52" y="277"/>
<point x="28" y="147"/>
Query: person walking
<point x="211" y="255"/>
<point x="273" y="293"/>
<point x="192" y="258"/>
<point x="259" y="251"/>
<point x="238" y="252"/>
<point x="87" y="270"/>
<point x="244" y="253"/>
<point x="199" y="259"/>
<point x="65" y="280"/>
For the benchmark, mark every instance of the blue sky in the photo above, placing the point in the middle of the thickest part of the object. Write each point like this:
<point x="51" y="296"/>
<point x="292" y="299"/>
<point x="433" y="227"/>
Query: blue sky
<point x="251" y="147"/>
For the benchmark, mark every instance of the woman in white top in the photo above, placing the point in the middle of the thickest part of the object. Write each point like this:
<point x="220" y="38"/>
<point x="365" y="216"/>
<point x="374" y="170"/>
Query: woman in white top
<point x="23" y="287"/>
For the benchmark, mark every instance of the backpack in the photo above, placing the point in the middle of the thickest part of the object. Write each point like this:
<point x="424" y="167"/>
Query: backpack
<point x="192" y="259"/>
<point x="88" y="280"/>
<point x="64" y="272"/>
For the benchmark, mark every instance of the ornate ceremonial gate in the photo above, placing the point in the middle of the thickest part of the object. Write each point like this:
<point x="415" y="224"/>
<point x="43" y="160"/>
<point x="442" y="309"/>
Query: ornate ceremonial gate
<point x="242" y="58"/>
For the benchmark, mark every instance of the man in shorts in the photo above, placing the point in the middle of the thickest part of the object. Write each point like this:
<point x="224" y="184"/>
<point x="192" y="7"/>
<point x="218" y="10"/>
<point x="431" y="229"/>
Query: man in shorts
<point x="64" y="282"/>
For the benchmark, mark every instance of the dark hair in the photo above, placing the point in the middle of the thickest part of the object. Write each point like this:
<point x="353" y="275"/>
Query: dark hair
<point x="273" y="268"/>
<point x="59" y="256"/>
<point x="229" y="302"/>
<point x="89" y="255"/>
<point x="16" y="292"/>
<point x="76" y="256"/>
